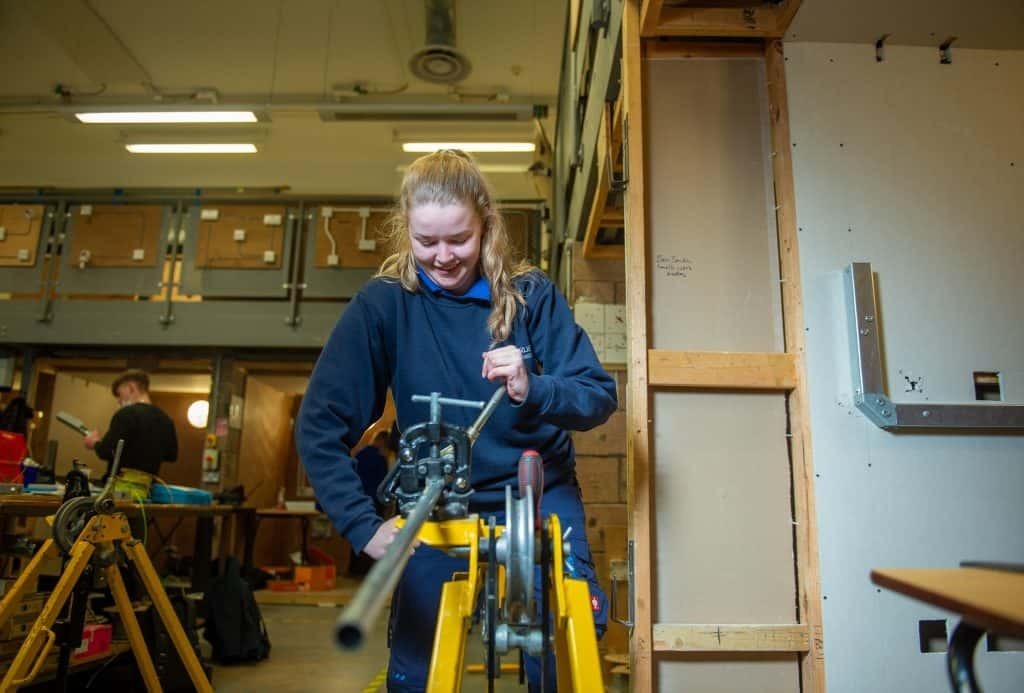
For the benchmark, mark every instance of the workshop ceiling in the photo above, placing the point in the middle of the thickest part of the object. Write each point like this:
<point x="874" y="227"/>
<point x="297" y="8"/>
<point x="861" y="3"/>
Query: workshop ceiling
<point x="262" y="51"/>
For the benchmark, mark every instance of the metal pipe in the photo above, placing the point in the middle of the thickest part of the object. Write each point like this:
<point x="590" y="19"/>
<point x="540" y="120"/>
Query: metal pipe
<point x="474" y="431"/>
<point x="357" y="620"/>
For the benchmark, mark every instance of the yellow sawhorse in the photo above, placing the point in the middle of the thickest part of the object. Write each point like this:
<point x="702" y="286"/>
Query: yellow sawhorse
<point x="575" y="641"/>
<point x="99" y="534"/>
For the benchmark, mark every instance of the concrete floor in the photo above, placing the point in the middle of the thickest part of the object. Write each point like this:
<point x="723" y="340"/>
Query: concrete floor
<point x="303" y="658"/>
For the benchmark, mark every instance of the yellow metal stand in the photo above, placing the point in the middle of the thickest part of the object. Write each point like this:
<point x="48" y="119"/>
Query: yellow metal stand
<point x="575" y="641"/>
<point x="99" y="534"/>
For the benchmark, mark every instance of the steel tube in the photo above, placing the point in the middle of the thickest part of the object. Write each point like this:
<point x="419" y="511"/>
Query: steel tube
<point x="357" y="619"/>
<point x="474" y="431"/>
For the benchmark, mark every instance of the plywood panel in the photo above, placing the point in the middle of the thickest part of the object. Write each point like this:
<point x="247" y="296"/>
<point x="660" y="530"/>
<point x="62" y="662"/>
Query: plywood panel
<point x="262" y="462"/>
<point x="345" y="228"/>
<point x="220" y="245"/>
<point x="115" y="235"/>
<point x="21" y="226"/>
<point x="890" y="169"/>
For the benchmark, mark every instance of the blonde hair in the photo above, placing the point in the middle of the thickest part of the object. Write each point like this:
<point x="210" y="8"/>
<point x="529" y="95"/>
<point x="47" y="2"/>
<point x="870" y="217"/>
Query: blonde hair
<point x="450" y="176"/>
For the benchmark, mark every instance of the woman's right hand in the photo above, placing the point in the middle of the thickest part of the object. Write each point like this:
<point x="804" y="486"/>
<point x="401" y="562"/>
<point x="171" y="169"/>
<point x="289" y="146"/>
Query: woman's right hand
<point x="383" y="538"/>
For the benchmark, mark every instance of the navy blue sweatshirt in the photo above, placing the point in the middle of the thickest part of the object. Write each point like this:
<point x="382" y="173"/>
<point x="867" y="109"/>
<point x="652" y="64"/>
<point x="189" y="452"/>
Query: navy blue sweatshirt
<point x="433" y="341"/>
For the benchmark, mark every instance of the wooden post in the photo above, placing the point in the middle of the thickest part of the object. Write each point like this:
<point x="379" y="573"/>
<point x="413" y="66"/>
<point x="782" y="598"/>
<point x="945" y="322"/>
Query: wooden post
<point x="637" y="397"/>
<point x="812" y="669"/>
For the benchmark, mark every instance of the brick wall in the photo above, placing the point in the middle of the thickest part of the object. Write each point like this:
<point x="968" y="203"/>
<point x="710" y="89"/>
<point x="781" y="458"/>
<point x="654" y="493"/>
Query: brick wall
<point x="601" y="452"/>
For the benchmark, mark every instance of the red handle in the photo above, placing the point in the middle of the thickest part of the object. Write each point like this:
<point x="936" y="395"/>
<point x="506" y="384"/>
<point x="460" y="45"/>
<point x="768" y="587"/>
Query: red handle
<point x="531" y="473"/>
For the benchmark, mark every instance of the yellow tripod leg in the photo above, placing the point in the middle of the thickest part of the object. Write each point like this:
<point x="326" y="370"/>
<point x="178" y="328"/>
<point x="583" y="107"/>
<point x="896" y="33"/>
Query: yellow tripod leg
<point x="137" y="553"/>
<point x="131" y="626"/>
<point x="26" y="581"/>
<point x="40" y="639"/>
<point x="448" y="659"/>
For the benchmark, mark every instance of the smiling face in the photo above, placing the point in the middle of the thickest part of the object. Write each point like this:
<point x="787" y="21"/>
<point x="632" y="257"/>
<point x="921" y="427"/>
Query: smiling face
<point x="446" y="243"/>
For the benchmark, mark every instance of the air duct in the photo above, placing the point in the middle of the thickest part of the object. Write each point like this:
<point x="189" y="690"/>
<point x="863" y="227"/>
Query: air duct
<point x="439" y="62"/>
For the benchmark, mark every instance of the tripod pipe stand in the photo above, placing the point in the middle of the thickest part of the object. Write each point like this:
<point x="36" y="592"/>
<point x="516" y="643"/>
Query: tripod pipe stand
<point x="97" y="544"/>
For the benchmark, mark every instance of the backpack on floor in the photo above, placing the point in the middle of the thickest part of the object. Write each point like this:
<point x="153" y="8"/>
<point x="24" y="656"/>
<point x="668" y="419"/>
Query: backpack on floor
<point x="234" y="625"/>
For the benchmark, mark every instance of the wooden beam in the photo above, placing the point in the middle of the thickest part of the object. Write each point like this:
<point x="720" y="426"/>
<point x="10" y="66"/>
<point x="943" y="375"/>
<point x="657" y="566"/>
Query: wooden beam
<point x="716" y="21"/>
<point x="650" y="14"/>
<point x="784" y="15"/>
<point x="721" y="370"/>
<point x="638" y="462"/>
<point x="751" y="22"/>
<point x="812" y="669"/>
<point x="690" y="637"/>
<point x="595" y="220"/>
<point x="690" y="48"/>
<point x="613" y="217"/>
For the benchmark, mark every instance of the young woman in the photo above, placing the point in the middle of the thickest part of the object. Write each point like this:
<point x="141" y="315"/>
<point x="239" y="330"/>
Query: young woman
<point x="451" y="312"/>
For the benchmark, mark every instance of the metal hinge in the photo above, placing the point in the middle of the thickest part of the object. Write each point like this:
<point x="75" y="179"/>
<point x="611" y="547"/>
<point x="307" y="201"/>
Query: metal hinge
<point x="622" y="570"/>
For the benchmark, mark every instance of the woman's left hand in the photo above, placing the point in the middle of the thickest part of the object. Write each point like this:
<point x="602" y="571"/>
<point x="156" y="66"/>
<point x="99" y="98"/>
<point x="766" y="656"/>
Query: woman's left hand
<point x="507" y="362"/>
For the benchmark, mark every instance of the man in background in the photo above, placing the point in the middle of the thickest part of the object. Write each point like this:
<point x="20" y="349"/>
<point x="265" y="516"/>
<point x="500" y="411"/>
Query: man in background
<point x="148" y="433"/>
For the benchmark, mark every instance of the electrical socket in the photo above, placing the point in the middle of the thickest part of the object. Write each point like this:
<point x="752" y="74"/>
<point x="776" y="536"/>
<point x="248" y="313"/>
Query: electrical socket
<point x="22" y="254"/>
<point x="85" y="210"/>
<point x="209" y="214"/>
<point x="332" y="260"/>
<point x="326" y="212"/>
<point x="138" y="254"/>
<point x="368" y="245"/>
<point x="271" y="219"/>
<point x="269" y="256"/>
<point x="239" y="235"/>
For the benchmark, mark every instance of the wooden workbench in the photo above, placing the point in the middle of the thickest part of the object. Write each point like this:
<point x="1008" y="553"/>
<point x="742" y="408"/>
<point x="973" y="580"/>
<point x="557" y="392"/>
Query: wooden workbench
<point x="987" y="600"/>
<point x="41" y="505"/>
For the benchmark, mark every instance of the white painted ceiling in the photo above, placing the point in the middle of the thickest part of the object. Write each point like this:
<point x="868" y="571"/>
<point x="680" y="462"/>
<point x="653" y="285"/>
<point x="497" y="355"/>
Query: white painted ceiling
<point x="258" y="51"/>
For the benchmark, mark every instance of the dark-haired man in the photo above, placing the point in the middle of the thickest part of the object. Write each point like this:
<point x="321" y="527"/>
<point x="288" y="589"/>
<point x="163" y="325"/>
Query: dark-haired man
<point x="148" y="433"/>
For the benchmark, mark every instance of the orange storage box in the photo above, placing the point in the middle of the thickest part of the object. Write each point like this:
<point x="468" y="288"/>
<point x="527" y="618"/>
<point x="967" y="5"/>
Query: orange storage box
<point x="315" y="578"/>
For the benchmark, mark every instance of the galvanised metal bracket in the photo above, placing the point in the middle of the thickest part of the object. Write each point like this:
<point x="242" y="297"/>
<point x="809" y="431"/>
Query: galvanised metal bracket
<point x="622" y="570"/>
<point x="869" y="393"/>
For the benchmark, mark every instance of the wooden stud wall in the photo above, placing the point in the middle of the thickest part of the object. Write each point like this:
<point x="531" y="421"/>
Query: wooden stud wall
<point x="702" y="371"/>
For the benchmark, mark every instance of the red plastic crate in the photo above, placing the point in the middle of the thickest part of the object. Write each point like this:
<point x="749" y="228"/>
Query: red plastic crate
<point x="95" y="640"/>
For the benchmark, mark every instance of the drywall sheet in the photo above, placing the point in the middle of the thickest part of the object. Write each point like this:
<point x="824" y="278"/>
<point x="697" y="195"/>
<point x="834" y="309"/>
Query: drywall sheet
<point x="918" y="168"/>
<point x="723" y="534"/>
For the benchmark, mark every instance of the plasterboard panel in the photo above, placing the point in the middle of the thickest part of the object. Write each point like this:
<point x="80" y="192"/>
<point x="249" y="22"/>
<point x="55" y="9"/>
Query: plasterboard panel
<point x="993" y="24"/>
<point x="713" y="254"/>
<point x="907" y="164"/>
<point x="723" y="534"/>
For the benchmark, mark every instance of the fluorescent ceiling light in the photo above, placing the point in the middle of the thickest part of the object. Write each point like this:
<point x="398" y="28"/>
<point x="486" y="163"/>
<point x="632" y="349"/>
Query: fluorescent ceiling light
<point x="428" y="147"/>
<point x="168" y="117"/>
<point x="196" y="148"/>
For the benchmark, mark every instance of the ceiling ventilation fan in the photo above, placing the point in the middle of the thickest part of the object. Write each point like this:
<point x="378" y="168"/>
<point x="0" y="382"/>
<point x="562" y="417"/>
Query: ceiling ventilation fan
<point x="439" y="61"/>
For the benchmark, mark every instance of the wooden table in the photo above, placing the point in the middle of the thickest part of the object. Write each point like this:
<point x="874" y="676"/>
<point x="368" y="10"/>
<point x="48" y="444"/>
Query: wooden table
<point x="252" y="517"/>
<point x="988" y="599"/>
<point x="41" y="505"/>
